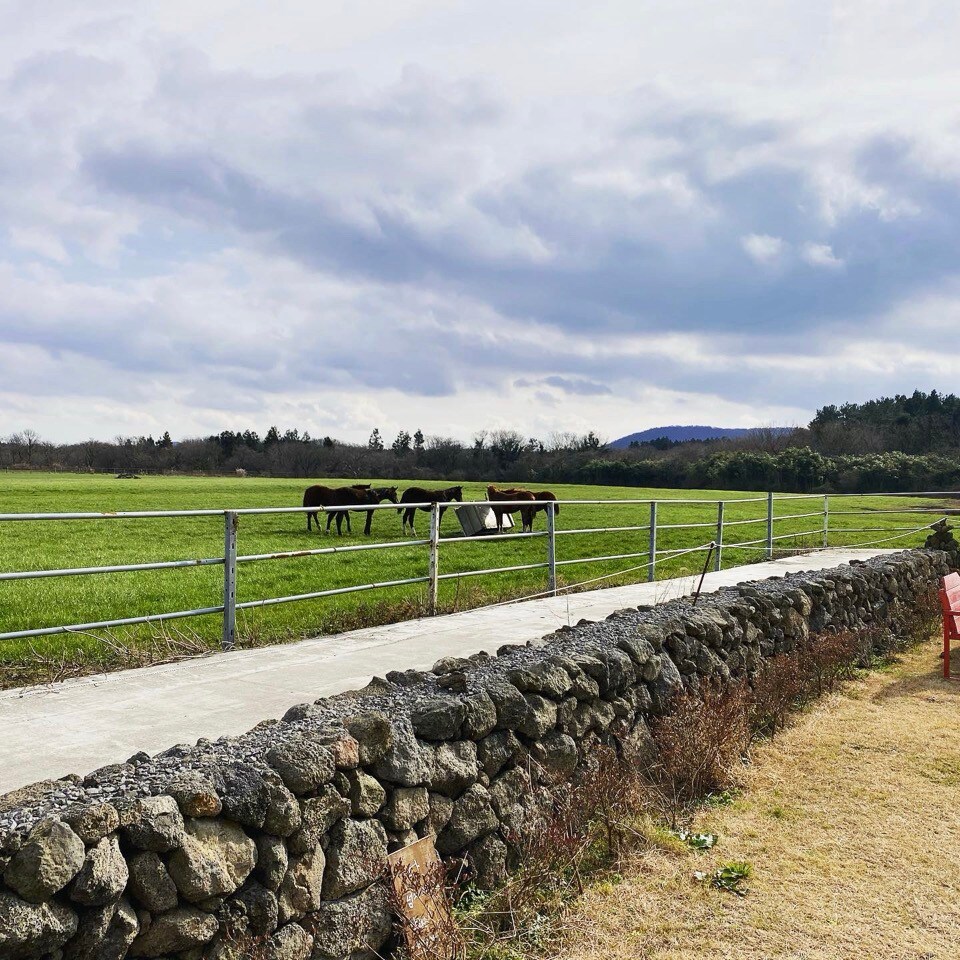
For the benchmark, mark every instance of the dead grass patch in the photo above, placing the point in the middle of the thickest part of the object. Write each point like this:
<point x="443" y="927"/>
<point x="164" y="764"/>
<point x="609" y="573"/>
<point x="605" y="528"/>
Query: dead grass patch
<point x="849" y="821"/>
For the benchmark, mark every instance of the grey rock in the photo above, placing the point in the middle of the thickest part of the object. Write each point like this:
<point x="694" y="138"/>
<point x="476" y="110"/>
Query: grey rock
<point x="291" y="942"/>
<point x="355" y="927"/>
<point x="48" y="860"/>
<point x="283" y="816"/>
<point x="488" y="857"/>
<point x="179" y="930"/>
<point x="92" y="823"/>
<point x="196" y="796"/>
<point x="472" y="817"/>
<point x="541" y="716"/>
<point x="441" y="809"/>
<point x="480" y="717"/>
<point x="303" y="764"/>
<point x="215" y="858"/>
<point x="356" y="857"/>
<point x="406" y="807"/>
<point x="407" y="762"/>
<point x="545" y="677"/>
<point x="154" y="824"/>
<point x="373" y="733"/>
<point x="301" y="889"/>
<point x="557" y="753"/>
<point x="439" y="718"/>
<point x="454" y="767"/>
<point x="510" y="704"/>
<point x="151" y="884"/>
<point x="320" y="813"/>
<point x="272" y="861"/>
<point x="104" y="934"/>
<point x="258" y="907"/>
<point x="103" y="876"/>
<point x="367" y="796"/>
<point x="498" y="749"/>
<point x="245" y="795"/>
<point x="29" y="930"/>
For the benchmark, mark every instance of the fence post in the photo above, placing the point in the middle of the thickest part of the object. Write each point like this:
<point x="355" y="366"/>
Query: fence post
<point x="770" y="525"/>
<point x="434" y="558"/>
<point x="551" y="550"/>
<point x="230" y="524"/>
<point x="652" y="562"/>
<point x="826" y="521"/>
<point x="719" y="560"/>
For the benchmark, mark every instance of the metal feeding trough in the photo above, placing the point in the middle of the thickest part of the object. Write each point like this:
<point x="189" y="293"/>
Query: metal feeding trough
<point x="476" y="520"/>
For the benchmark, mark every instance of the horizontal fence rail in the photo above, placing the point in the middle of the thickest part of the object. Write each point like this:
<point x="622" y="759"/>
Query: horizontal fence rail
<point x="720" y="545"/>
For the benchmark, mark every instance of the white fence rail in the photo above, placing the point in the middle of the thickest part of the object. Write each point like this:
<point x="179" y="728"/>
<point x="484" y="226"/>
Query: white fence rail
<point x="231" y="559"/>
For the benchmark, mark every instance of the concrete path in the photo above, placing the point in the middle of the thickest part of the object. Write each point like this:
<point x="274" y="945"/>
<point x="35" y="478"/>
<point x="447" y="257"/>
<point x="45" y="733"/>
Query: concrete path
<point x="79" y="725"/>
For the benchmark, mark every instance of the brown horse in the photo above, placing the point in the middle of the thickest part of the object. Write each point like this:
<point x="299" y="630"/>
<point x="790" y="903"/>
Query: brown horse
<point x="357" y="495"/>
<point x="421" y="495"/>
<point x="546" y="495"/>
<point x="514" y="493"/>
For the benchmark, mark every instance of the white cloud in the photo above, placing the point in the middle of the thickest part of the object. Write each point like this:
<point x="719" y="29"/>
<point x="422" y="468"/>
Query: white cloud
<point x="762" y="247"/>
<point x="821" y="255"/>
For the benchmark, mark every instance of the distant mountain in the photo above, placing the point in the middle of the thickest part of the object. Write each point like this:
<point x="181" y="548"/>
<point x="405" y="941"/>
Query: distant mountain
<point x="677" y="433"/>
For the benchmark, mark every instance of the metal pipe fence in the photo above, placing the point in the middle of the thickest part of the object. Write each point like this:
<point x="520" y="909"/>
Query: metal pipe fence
<point x="231" y="560"/>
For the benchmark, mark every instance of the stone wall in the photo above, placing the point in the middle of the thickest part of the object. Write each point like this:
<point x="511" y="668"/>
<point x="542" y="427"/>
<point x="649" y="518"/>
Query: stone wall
<point x="279" y="836"/>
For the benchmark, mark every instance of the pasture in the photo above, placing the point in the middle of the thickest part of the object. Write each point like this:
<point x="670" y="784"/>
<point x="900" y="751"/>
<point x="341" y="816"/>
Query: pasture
<point x="30" y="604"/>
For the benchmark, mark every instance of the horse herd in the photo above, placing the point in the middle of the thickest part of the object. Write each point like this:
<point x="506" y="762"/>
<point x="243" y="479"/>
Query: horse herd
<point x="361" y="494"/>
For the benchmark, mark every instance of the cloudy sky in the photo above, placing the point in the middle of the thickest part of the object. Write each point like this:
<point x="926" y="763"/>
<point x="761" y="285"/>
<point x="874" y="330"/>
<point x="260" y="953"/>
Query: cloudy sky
<point x="543" y="215"/>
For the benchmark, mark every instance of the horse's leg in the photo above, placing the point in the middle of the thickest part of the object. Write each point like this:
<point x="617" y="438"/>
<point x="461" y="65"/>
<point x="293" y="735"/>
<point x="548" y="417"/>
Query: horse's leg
<point x="346" y="513"/>
<point x="308" y="522"/>
<point x="330" y="516"/>
<point x="366" y="528"/>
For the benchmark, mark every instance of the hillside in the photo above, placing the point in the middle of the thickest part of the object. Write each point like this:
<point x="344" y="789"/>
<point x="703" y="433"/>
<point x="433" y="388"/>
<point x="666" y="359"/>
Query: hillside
<point x="679" y="433"/>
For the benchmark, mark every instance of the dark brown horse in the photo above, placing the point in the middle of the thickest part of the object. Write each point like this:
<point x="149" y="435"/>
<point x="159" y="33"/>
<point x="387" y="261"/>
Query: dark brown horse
<point x="514" y="493"/>
<point x="357" y="495"/>
<point x="546" y="495"/>
<point x="421" y="495"/>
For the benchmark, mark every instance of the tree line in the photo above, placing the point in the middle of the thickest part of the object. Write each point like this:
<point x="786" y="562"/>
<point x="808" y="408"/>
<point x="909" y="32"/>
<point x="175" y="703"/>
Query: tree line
<point x="898" y="443"/>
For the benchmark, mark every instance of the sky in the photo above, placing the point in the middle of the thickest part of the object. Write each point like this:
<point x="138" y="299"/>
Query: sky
<point x="546" y="216"/>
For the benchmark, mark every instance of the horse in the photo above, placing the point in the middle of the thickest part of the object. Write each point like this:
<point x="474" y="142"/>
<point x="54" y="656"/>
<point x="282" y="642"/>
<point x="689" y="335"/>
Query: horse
<point x="546" y="495"/>
<point x="356" y="495"/>
<point x="420" y="495"/>
<point x="514" y="493"/>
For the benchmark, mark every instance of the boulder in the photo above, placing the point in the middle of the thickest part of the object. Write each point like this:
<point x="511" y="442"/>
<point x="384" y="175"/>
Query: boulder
<point x="367" y="796"/>
<point x="356" y="926"/>
<point x="300" y="890"/>
<point x="104" y="934"/>
<point x="151" y="884"/>
<point x="179" y="930"/>
<point x="320" y="813"/>
<point x="356" y="857"/>
<point x="406" y="806"/>
<point x="215" y="858"/>
<point x="154" y="823"/>
<point x="472" y="817"/>
<point x="303" y="764"/>
<point x="103" y="876"/>
<point x="49" y="859"/>
<point x="373" y="733"/>
<point x="29" y="930"/>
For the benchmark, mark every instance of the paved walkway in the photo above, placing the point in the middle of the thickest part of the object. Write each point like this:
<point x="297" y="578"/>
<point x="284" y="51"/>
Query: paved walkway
<point x="85" y="723"/>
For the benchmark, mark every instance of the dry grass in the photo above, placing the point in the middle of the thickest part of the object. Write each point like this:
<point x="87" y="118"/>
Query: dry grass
<point x="850" y="821"/>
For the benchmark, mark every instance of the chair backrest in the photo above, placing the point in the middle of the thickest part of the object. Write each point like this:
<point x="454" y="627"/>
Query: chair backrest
<point x="950" y="603"/>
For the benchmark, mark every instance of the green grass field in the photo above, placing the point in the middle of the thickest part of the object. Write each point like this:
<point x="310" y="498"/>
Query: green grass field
<point x="46" y="602"/>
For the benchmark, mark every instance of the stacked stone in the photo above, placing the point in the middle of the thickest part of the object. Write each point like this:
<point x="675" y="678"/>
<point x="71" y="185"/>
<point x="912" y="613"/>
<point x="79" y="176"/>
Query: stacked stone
<point x="280" y="837"/>
<point x="942" y="539"/>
